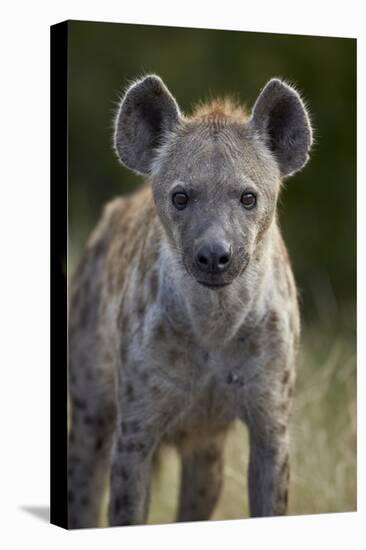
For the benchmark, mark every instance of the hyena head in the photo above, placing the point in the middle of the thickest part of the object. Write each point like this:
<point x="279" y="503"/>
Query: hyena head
<point x="215" y="175"/>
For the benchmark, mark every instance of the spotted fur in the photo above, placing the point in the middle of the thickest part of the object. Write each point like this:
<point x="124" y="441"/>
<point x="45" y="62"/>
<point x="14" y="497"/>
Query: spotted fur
<point x="155" y="354"/>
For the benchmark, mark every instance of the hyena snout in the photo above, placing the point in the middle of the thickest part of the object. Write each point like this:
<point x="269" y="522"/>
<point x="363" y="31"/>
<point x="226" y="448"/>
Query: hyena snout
<point x="213" y="257"/>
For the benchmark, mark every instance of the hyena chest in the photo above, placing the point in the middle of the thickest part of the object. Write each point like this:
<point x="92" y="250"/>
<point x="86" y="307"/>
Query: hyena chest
<point x="203" y="385"/>
<point x="206" y="412"/>
<point x="206" y="386"/>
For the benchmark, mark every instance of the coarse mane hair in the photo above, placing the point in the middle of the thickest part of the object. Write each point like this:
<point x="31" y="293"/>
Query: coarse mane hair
<point x="222" y="108"/>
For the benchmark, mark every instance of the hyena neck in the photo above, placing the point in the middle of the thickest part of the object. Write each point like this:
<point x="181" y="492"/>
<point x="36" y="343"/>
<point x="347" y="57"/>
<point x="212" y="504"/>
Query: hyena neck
<point x="216" y="316"/>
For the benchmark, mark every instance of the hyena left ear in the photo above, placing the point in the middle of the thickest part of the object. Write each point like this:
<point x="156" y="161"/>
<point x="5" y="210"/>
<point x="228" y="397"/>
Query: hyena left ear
<point x="280" y="117"/>
<point x="146" y="112"/>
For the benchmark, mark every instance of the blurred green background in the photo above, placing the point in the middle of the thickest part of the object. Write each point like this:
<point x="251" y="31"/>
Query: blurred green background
<point x="317" y="215"/>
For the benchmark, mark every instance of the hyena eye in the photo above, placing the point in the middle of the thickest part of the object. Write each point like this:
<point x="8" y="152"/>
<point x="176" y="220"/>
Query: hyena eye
<point x="180" y="200"/>
<point x="248" y="200"/>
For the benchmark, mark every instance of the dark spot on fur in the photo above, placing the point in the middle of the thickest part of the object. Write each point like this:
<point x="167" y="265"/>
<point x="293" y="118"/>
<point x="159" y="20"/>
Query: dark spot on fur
<point x="124" y="324"/>
<point x="141" y="308"/>
<point x="88" y="420"/>
<point x="233" y="378"/>
<point x="291" y="323"/>
<point x="130" y="447"/>
<point x="173" y="357"/>
<point x="85" y="314"/>
<point x="79" y="403"/>
<point x="99" y="248"/>
<point x="284" y="498"/>
<point x="125" y="500"/>
<point x="140" y="447"/>
<point x="253" y="346"/>
<point x="281" y="428"/>
<point x="75" y="300"/>
<point x="144" y="375"/>
<point x="123" y="353"/>
<point x="285" y="467"/>
<point x="89" y="375"/>
<point x="130" y="392"/>
<point x="117" y="505"/>
<point x="286" y="376"/>
<point x="135" y="425"/>
<point x="101" y="423"/>
<point x="212" y="455"/>
<point x="273" y="321"/>
<point x="99" y="444"/>
<point x="181" y="435"/>
<point x="159" y="331"/>
<point x="124" y="427"/>
<point x="154" y="284"/>
<point x="84" y="501"/>
<point x="124" y="474"/>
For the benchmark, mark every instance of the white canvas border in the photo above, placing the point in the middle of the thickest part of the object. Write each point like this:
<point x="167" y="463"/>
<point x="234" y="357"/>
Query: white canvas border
<point x="25" y="271"/>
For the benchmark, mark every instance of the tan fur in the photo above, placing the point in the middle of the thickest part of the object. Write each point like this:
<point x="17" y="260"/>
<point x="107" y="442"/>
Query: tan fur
<point x="224" y="109"/>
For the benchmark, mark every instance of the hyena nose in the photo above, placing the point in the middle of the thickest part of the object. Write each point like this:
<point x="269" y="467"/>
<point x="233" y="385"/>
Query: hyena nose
<point x="213" y="257"/>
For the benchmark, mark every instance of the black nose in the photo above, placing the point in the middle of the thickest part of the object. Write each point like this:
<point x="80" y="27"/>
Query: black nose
<point x="213" y="257"/>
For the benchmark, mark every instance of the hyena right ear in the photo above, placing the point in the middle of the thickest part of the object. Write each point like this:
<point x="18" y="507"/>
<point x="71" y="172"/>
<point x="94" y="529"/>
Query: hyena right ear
<point x="147" y="111"/>
<point x="281" y="119"/>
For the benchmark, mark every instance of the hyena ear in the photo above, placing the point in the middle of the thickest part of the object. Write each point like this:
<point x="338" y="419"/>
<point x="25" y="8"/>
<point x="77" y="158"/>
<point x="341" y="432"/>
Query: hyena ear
<point x="147" y="111"/>
<point x="280" y="117"/>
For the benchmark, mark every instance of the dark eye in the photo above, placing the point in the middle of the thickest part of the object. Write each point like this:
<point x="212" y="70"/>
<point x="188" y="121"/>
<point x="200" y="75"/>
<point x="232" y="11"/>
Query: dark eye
<point x="248" y="200"/>
<point x="180" y="200"/>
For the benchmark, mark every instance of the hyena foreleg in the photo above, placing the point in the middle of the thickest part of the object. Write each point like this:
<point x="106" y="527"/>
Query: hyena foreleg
<point x="90" y="440"/>
<point x="201" y="479"/>
<point x="269" y="469"/>
<point x="141" y="423"/>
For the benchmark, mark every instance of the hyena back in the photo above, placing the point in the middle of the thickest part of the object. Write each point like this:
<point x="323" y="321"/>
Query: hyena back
<point x="183" y="309"/>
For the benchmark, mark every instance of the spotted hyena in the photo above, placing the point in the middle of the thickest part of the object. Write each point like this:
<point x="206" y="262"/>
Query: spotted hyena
<point x="183" y="309"/>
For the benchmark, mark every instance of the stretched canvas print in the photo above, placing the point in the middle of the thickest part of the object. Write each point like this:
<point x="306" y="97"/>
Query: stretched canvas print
<point x="203" y="274"/>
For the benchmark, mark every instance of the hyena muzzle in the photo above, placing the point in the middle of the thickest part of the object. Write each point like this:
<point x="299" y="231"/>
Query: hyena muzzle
<point x="183" y="309"/>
